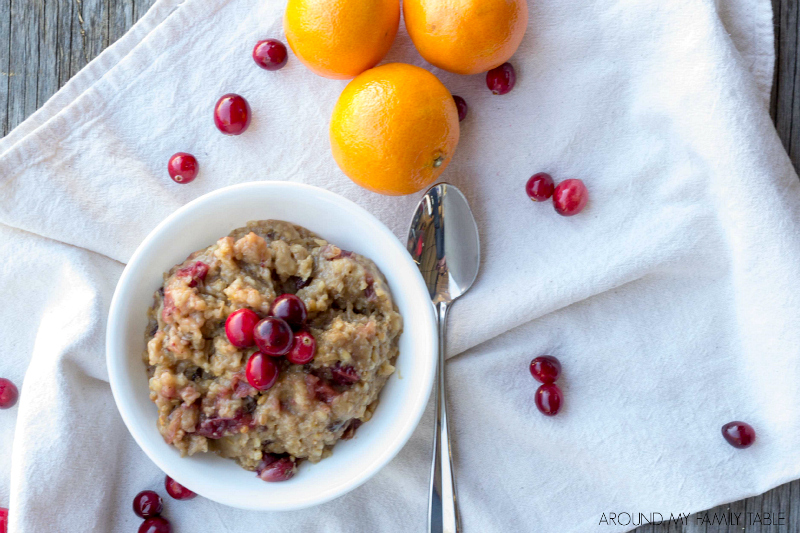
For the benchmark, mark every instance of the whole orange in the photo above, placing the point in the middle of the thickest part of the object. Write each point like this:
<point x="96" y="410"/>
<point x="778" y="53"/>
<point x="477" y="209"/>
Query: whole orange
<point x="466" y="36"/>
<point x="341" y="38"/>
<point x="394" y="129"/>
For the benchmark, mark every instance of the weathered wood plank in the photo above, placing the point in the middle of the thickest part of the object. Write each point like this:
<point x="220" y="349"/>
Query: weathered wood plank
<point x="120" y="19"/>
<point x="773" y="102"/>
<point x="5" y="63"/>
<point x="65" y="22"/>
<point x="787" y="91"/>
<point x="90" y="34"/>
<point x="47" y="74"/>
<point x="26" y="18"/>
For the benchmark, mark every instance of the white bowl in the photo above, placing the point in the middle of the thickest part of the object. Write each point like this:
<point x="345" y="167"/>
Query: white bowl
<point x="198" y="225"/>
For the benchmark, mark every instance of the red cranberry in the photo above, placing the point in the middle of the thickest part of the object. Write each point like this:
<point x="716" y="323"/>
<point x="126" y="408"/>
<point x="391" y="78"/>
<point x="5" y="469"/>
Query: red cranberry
<point x="216" y="427"/>
<point x="319" y="389"/>
<point x="570" y="197"/>
<point x="3" y="520"/>
<point x="344" y="374"/>
<point x="275" y="468"/>
<point x="291" y="309"/>
<point x="182" y="167"/>
<point x="8" y="394"/>
<point x="178" y="491"/>
<point x="155" y="525"/>
<point x="273" y="336"/>
<point x="147" y="504"/>
<point x="545" y="369"/>
<point x="540" y="187"/>
<point x="262" y="372"/>
<point x="739" y="434"/>
<point x="196" y="273"/>
<point x="462" y="107"/>
<point x="232" y="114"/>
<point x="270" y="54"/>
<point x="501" y="80"/>
<point x="304" y="347"/>
<point x="548" y="399"/>
<point x="239" y="327"/>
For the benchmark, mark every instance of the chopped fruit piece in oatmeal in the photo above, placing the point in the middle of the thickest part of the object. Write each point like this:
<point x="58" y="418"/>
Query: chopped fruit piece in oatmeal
<point x="276" y="468"/>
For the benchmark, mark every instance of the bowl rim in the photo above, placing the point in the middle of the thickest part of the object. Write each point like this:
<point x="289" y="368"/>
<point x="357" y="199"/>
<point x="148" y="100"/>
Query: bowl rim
<point x="115" y="335"/>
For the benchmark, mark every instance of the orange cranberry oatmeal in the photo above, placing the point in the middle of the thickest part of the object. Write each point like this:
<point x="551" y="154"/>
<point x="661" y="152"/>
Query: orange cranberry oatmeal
<point x="268" y="347"/>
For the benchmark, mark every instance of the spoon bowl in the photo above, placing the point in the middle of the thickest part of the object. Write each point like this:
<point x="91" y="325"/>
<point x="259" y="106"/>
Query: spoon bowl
<point x="443" y="241"/>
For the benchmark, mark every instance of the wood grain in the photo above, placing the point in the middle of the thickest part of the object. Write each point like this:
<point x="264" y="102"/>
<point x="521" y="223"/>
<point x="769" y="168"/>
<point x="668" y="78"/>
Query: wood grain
<point x="43" y="43"/>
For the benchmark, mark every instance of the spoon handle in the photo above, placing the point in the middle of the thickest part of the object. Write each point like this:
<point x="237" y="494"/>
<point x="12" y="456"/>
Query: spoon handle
<point x="443" y="514"/>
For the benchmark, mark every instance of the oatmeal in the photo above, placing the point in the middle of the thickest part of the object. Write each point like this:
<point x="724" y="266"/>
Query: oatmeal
<point x="239" y="394"/>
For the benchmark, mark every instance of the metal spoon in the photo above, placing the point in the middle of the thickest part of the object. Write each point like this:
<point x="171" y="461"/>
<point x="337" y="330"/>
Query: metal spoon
<point x="443" y="240"/>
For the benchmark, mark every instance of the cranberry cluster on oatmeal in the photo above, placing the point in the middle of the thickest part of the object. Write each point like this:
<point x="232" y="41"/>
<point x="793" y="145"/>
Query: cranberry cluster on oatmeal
<point x="268" y="347"/>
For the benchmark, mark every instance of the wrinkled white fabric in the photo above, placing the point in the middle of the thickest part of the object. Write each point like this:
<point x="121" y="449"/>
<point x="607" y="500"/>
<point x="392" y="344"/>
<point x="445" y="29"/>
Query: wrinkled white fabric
<point x="671" y="300"/>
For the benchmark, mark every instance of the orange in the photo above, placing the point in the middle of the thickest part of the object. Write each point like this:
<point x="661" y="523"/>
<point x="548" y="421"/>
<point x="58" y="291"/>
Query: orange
<point x="341" y="38"/>
<point x="466" y="36"/>
<point x="394" y="129"/>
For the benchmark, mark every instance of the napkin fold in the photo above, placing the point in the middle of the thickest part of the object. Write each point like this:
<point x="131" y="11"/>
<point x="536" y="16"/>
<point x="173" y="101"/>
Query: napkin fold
<point x="670" y="301"/>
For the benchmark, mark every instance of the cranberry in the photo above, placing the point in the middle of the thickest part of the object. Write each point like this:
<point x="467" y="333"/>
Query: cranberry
<point x="304" y="347"/>
<point x="739" y="434"/>
<point x="232" y="114"/>
<point x="462" y="107"/>
<point x="540" y="187"/>
<point x="548" y="399"/>
<point x="8" y="394"/>
<point x="501" y="80"/>
<point x="3" y="520"/>
<point x="320" y="389"/>
<point x="262" y="372"/>
<point x="276" y="468"/>
<point x="155" y="525"/>
<point x="239" y="327"/>
<point x="241" y="388"/>
<point x="147" y="504"/>
<point x="570" y="197"/>
<point x="344" y="375"/>
<point x="291" y="309"/>
<point x="182" y="167"/>
<point x="216" y="428"/>
<point x="270" y="54"/>
<point x="545" y="369"/>
<point x="196" y="273"/>
<point x="273" y="336"/>
<point x="178" y="491"/>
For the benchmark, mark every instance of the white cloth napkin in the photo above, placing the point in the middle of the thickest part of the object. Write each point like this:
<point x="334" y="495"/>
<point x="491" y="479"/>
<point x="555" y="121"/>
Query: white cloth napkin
<point x="671" y="300"/>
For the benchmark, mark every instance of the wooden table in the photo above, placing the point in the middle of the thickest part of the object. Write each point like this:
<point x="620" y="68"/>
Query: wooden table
<point x="45" y="42"/>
